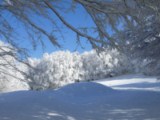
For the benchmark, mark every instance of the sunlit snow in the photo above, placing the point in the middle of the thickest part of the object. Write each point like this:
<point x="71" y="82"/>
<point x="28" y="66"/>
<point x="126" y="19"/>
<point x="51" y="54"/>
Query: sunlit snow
<point x="106" y="99"/>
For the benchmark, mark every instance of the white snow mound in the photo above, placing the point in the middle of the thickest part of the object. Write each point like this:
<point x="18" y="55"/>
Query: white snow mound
<point x="85" y="88"/>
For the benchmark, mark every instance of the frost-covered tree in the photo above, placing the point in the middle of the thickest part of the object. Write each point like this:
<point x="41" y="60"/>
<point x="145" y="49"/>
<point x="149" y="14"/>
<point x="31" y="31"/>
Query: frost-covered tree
<point x="109" y="17"/>
<point x="11" y="70"/>
<point x="55" y="70"/>
<point x="63" y="67"/>
<point x="141" y="41"/>
<point x="130" y="26"/>
<point x="108" y="63"/>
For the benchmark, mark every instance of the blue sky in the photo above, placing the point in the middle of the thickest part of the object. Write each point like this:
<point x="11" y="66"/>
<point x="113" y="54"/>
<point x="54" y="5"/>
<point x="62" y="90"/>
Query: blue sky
<point x="78" y="18"/>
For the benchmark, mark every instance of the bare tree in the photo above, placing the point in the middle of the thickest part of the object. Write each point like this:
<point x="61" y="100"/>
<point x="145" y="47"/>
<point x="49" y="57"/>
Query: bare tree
<point x="117" y="15"/>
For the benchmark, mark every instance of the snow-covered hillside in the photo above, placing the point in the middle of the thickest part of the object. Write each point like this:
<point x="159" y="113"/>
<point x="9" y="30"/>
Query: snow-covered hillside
<point x="127" y="98"/>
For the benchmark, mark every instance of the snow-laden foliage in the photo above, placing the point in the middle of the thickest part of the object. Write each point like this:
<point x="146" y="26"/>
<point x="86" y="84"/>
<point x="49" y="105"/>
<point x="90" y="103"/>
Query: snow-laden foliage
<point x="63" y="67"/>
<point x="58" y="69"/>
<point x="10" y="77"/>
<point x="143" y="42"/>
<point x="55" y="69"/>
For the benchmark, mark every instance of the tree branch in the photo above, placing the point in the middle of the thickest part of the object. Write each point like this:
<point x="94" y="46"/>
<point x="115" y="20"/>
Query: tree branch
<point x="70" y="26"/>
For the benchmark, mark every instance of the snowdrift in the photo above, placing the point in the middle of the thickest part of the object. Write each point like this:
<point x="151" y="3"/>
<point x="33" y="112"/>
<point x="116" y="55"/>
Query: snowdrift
<point x="81" y="101"/>
<point x="85" y="89"/>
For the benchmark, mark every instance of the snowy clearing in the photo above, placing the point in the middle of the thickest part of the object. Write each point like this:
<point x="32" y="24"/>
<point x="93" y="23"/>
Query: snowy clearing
<point x="87" y="101"/>
<point x="132" y="82"/>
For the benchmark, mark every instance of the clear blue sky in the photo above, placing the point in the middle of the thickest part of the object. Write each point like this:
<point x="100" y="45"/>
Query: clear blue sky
<point x="78" y="19"/>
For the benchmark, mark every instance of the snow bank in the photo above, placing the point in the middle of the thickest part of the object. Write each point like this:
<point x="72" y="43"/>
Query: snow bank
<point x="132" y="82"/>
<point x="83" y="101"/>
<point x="85" y="88"/>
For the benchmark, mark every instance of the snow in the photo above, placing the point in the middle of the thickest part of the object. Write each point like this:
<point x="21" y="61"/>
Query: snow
<point x="12" y="85"/>
<point x="100" y="100"/>
<point x="63" y="67"/>
<point x="132" y="82"/>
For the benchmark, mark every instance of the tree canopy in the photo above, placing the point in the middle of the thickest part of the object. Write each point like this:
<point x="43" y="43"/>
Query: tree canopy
<point x="134" y="24"/>
<point x="129" y="16"/>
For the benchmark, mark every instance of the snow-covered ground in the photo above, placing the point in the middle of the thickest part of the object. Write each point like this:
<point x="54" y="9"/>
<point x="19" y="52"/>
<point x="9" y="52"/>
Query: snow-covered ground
<point x="132" y="82"/>
<point x="129" y="97"/>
